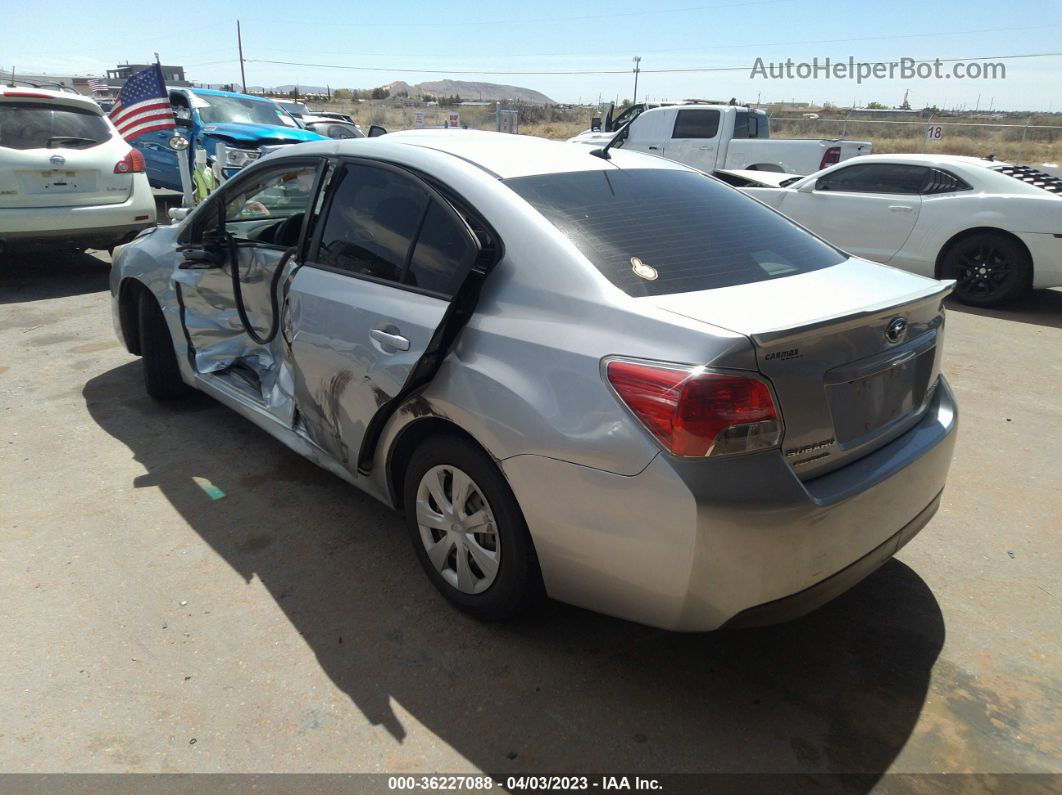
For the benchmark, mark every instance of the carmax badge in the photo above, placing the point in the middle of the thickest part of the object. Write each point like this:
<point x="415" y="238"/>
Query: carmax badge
<point x="647" y="272"/>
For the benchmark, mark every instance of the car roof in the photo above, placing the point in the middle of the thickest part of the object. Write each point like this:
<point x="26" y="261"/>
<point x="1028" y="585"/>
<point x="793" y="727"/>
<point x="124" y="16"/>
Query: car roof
<point x="24" y="93"/>
<point x="508" y="156"/>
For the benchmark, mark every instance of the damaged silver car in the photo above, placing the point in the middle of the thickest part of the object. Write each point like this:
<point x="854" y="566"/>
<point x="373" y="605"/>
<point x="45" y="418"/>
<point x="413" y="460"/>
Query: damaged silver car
<point x="606" y="378"/>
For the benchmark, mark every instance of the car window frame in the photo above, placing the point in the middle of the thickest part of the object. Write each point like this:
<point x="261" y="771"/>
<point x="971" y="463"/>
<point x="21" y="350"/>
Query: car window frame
<point x="434" y="192"/>
<point x="866" y="166"/>
<point x="217" y="200"/>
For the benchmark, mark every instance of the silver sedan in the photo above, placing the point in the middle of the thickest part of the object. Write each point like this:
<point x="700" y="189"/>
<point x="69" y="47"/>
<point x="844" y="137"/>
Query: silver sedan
<point x="598" y="376"/>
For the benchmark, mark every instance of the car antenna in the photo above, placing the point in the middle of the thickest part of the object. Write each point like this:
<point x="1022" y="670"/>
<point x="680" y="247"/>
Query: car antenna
<point x="619" y="136"/>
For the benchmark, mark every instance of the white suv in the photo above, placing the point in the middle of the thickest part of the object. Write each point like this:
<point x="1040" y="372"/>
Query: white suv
<point x="67" y="178"/>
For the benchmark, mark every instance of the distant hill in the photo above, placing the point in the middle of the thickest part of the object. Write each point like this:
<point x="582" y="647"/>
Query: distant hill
<point x="481" y="91"/>
<point x="467" y="90"/>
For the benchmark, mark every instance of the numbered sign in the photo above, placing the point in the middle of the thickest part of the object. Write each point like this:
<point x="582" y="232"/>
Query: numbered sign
<point x="934" y="132"/>
<point x="453" y="120"/>
<point x="418" y="120"/>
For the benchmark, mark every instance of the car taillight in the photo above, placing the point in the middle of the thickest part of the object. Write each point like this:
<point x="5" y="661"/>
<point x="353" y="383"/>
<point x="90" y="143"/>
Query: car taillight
<point x="132" y="163"/>
<point x="832" y="155"/>
<point x="694" y="412"/>
<point x="34" y="94"/>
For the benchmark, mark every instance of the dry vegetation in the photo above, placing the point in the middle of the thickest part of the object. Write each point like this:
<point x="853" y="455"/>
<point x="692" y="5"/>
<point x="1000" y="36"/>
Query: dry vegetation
<point x="976" y="138"/>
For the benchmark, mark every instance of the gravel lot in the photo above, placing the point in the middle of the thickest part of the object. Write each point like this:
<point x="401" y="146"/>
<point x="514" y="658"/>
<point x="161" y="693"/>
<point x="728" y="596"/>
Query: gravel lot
<point x="150" y="625"/>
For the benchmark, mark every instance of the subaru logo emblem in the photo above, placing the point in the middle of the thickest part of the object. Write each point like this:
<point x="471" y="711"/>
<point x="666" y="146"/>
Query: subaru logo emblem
<point x="894" y="332"/>
<point x="57" y="160"/>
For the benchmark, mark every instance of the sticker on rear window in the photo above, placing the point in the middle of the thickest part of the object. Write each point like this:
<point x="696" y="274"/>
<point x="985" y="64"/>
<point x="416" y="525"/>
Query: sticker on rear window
<point x="647" y="272"/>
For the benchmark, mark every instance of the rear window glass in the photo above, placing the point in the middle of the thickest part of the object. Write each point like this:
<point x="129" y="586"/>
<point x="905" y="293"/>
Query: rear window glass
<point x="655" y="232"/>
<point x="35" y="125"/>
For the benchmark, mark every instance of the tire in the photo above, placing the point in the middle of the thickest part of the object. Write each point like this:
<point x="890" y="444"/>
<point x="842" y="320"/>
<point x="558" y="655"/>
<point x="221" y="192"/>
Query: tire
<point x="162" y="377"/>
<point x="989" y="269"/>
<point x="516" y="582"/>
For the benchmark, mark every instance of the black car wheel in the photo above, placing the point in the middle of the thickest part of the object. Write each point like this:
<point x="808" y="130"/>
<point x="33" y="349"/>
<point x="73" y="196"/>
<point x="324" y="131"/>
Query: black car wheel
<point x="988" y="269"/>
<point x="162" y="376"/>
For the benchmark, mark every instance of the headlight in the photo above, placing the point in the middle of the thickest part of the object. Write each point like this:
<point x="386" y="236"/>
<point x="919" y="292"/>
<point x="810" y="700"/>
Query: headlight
<point x="238" y="158"/>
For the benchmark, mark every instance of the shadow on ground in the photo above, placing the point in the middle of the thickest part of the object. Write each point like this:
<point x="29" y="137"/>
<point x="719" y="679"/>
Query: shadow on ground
<point x="36" y="276"/>
<point x="563" y="691"/>
<point x="1040" y="308"/>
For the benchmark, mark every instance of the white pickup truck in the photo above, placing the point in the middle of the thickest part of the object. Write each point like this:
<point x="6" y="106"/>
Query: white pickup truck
<point x="710" y="137"/>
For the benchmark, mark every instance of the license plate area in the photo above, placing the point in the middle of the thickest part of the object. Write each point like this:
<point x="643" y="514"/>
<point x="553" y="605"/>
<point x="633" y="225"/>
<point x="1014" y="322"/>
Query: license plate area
<point x="60" y="181"/>
<point x="865" y="406"/>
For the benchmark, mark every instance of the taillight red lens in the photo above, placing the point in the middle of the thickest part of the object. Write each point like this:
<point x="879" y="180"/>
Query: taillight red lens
<point x="34" y="94"/>
<point x="132" y="163"/>
<point x="832" y="155"/>
<point x="697" y="413"/>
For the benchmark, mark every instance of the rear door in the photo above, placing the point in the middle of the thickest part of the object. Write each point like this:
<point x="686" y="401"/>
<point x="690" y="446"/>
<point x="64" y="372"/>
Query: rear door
<point x="393" y="275"/>
<point x="694" y="138"/>
<point x="59" y="155"/>
<point x="867" y="209"/>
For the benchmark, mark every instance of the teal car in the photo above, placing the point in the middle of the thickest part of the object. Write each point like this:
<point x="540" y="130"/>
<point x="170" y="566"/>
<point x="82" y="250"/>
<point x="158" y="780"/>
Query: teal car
<point x="247" y="126"/>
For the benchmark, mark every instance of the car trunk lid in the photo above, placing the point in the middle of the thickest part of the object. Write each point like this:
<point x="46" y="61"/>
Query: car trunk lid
<point x="852" y="352"/>
<point x="61" y="177"/>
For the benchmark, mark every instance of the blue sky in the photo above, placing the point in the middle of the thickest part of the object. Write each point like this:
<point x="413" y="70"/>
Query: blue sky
<point x="399" y="36"/>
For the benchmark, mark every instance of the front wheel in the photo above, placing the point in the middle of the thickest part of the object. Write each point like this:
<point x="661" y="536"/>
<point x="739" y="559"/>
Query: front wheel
<point x="989" y="269"/>
<point x="468" y="530"/>
<point x="162" y="376"/>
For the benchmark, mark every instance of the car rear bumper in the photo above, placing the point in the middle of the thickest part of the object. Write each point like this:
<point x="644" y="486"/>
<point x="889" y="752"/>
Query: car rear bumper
<point x="104" y="224"/>
<point x="693" y="545"/>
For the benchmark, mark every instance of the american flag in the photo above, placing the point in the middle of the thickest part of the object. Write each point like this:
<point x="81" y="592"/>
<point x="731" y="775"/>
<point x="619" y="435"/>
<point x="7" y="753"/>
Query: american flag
<point x="97" y="84"/>
<point x="143" y="105"/>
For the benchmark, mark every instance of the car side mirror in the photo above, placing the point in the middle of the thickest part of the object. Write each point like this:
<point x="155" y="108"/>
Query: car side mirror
<point x="808" y="187"/>
<point x="595" y="124"/>
<point x="375" y="131"/>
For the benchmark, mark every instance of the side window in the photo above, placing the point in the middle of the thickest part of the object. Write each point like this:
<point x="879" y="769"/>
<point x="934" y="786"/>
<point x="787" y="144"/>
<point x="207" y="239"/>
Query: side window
<point x="339" y="131"/>
<point x="268" y="209"/>
<point x="941" y="181"/>
<point x="180" y="108"/>
<point x="741" y="125"/>
<point x="875" y="178"/>
<point x="443" y="254"/>
<point x="372" y="221"/>
<point x="696" y="124"/>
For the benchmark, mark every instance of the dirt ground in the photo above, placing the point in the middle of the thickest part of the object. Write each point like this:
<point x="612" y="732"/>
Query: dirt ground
<point x="179" y="592"/>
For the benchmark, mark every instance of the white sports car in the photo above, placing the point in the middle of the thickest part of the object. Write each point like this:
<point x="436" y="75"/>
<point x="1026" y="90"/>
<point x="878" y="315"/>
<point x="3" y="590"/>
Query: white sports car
<point x="994" y="227"/>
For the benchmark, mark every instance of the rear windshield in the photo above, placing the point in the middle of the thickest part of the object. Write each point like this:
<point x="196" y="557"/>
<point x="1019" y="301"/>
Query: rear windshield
<point x="35" y="125"/>
<point x="655" y="232"/>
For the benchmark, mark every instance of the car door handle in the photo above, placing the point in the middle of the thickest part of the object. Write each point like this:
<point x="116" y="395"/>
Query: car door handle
<point x="706" y="147"/>
<point x="396" y="341"/>
<point x="654" y="148"/>
<point x="900" y="208"/>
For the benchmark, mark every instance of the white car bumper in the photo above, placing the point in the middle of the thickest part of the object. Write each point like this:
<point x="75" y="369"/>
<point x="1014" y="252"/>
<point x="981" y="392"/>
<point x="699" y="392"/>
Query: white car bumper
<point x="104" y="224"/>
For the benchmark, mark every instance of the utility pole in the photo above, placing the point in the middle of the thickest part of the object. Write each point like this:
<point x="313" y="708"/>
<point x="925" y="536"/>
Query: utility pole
<point x="637" y="68"/>
<point x="239" y="45"/>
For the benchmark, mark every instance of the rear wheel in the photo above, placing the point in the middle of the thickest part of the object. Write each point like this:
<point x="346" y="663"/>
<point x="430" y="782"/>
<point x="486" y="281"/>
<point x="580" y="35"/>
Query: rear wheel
<point x="162" y="376"/>
<point x="468" y="530"/>
<point x="988" y="269"/>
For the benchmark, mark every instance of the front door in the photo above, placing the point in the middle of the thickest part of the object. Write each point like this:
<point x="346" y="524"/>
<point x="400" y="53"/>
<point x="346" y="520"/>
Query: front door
<point x="865" y="209"/>
<point x="252" y="227"/>
<point x="390" y="255"/>
<point x="694" y="138"/>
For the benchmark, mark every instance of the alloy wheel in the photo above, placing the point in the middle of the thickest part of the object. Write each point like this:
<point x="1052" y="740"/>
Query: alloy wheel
<point x="983" y="271"/>
<point x="458" y="529"/>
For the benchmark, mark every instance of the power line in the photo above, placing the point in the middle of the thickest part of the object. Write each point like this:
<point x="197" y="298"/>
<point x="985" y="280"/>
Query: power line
<point x="673" y="70"/>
